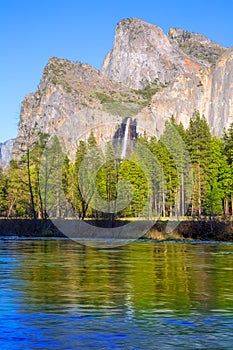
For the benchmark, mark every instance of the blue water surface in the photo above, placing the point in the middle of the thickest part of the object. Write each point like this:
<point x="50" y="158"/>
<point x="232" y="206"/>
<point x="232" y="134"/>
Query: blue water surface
<point x="57" y="294"/>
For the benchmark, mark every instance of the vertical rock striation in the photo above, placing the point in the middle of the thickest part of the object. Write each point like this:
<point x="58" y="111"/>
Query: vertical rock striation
<point x="210" y="92"/>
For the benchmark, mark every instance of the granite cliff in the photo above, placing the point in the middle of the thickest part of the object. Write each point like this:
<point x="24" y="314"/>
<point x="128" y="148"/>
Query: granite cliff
<point x="74" y="99"/>
<point x="209" y="91"/>
<point x="148" y="75"/>
<point x="143" y="54"/>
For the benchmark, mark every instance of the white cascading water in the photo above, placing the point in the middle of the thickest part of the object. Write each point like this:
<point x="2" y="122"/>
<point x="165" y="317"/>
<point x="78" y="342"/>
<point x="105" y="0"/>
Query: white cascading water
<point x="124" y="147"/>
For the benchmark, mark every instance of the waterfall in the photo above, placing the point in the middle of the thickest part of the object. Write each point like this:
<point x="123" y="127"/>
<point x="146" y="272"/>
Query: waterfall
<point x="124" y="147"/>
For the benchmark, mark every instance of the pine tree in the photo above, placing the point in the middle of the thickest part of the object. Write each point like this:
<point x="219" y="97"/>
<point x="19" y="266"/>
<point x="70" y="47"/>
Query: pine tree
<point x="51" y="179"/>
<point x="88" y="160"/>
<point x="18" y="196"/>
<point x="216" y="178"/>
<point x="198" y="141"/>
<point x="228" y="152"/>
<point x="35" y="162"/>
<point x="106" y="182"/>
<point x="3" y="192"/>
<point x="135" y="190"/>
<point x="28" y="143"/>
<point x="158" y="183"/>
<point x="68" y="186"/>
<point x="174" y="138"/>
<point x="169" y="179"/>
<point x="228" y="143"/>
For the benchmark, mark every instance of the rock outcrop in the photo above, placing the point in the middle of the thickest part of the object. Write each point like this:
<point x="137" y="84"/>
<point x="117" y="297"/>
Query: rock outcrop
<point x="143" y="54"/>
<point x="74" y="99"/>
<point x="209" y="91"/>
<point x="5" y="152"/>
<point x="196" y="45"/>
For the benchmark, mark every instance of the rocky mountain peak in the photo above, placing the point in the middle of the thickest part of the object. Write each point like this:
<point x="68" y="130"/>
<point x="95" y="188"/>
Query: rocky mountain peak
<point x="133" y="30"/>
<point x="143" y="54"/>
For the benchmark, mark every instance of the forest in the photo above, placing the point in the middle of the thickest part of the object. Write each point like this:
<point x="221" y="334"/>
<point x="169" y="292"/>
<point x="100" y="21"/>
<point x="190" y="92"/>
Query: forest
<point x="186" y="172"/>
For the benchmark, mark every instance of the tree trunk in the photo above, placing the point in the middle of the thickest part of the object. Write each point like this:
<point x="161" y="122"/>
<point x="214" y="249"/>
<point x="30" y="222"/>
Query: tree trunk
<point x="33" y="211"/>
<point x="41" y="210"/>
<point x="182" y="195"/>
<point x="178" y="204"/>
<point x="192" y="210"/>
<point x="163" y="200"/>
<point x="232" y="204"/>
<point x="226" y="206"/>
<point x="10" y="208"/>
<point x="199" y="190"/>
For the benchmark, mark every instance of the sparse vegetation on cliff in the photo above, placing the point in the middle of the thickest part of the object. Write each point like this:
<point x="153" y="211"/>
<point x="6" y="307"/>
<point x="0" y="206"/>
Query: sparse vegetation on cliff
<point x="196" y="45"/>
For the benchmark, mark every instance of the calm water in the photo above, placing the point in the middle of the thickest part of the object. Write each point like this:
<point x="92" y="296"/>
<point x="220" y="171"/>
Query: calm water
<point x="57" y="294"/>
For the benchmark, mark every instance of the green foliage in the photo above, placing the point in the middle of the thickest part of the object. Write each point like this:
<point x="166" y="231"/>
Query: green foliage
<point x="18" y="196"/>
<point x="198" y="139"/>
<point x="3" y="192"/>
<point x="199" y="146"/>
<point x="104" y="98"/>
<point x="228" y="144"/>
<point x="50" y="178"/>
<point x="217" y="179"/>
<point x="149" y="90"/>
<point x="155" y="181"/>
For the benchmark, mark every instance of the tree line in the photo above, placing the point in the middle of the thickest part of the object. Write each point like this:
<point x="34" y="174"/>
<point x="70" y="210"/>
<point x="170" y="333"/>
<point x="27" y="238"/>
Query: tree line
<point x="186" y="172"/>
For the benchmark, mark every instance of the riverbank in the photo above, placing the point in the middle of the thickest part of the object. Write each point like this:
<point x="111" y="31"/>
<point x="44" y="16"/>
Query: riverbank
<point x="202" y="229"/>
<point x="199" y="229"/>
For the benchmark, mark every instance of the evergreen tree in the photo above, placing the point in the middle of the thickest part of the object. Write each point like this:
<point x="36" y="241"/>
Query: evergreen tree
<point x="135" y="190"/>
<point x="51" y="179"/>
<point x="228" y="152"/>
<point x="35" y="162"/>
<point x="174" y="138"/>
<point x="18" y="196"/>
<point x="198" y="141"/>
<point x="155" y="180"/>
<point x="218" y="169"/>
<point x="78" y="202"/>
<point x="158" y="183"/>
<point x="3" y="192"/>
<point x="228" y="143"/>
<point x="169" y="180"/>
<point x="68" y="186"/>
<point x="88" y="160"/>
<point x="107" y="180"/>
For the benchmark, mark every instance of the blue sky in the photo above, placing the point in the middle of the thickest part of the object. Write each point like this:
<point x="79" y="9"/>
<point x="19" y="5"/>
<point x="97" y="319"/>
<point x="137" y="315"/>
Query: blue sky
<point x="33" y="31"/>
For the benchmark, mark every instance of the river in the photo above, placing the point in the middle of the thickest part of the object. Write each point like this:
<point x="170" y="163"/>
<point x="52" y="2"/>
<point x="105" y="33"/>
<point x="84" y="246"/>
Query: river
<point x="57" y="294"/>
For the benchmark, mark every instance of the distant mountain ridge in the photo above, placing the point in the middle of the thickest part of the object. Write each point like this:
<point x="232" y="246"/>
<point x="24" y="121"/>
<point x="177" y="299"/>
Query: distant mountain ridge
<point x="147" y="75"/>
<point x="5" y="152"/>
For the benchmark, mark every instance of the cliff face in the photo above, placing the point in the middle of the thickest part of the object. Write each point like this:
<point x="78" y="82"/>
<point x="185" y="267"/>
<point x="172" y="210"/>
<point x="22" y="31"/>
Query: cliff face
<point x="210" y="92"/>
<point x="143" y="54"/>
<point x="74" y="99"/>
<point x="220" y="109"/>
<point x="5" y="153"/>
<point x="147" y="76"/>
